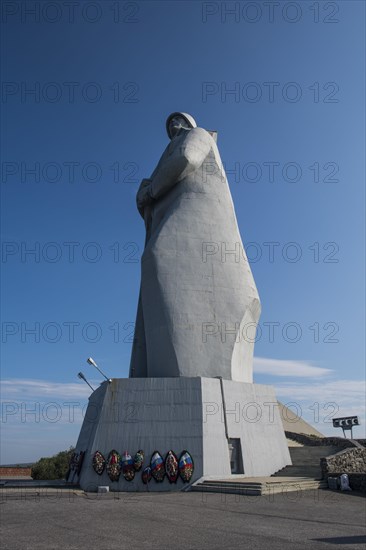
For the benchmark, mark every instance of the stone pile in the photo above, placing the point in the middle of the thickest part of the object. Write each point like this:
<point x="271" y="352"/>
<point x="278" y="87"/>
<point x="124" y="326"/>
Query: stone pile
<point x="350" y="461"/>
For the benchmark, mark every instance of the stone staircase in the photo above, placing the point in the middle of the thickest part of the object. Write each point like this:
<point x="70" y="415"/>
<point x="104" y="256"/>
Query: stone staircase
<point x="306" y="461"/>
<point x="304" y="474"/>
<point x="259" y="486"/>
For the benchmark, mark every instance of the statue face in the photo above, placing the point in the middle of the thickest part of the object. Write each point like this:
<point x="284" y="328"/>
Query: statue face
<point x="176" y="124"/>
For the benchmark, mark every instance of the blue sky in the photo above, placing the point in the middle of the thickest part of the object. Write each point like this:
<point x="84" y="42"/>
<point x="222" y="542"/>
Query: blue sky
<point x="283" y="84"/>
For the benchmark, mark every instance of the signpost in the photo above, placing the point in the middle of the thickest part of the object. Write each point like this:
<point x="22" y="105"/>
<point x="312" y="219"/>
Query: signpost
<point x="346" y="423"/>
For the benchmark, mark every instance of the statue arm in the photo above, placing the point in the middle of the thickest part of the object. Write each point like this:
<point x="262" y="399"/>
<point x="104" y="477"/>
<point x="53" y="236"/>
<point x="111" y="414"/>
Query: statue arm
<point x="143" y="198"/>
<point x="187" y="157"/>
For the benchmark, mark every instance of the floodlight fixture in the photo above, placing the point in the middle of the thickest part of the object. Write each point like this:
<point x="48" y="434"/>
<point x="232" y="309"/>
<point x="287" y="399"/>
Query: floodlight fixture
<point x="91" y="362"/>
<point x="82" y="377"/>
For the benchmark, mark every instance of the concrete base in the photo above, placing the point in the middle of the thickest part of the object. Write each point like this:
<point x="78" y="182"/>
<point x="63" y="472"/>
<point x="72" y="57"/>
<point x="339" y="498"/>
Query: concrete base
<point x="200" y="415"/>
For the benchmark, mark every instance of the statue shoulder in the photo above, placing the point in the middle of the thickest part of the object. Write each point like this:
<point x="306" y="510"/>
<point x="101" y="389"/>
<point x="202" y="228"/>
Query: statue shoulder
<point x="200" y="134"/>
<point x="197" y="138"/>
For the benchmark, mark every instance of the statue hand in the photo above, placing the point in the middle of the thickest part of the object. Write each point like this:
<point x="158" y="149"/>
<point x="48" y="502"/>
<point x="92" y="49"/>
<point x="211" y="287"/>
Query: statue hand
<point x="143" y="197"/>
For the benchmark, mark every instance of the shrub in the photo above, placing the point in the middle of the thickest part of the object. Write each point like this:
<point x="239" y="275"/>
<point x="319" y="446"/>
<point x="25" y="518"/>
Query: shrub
<point x="55" y="467"/>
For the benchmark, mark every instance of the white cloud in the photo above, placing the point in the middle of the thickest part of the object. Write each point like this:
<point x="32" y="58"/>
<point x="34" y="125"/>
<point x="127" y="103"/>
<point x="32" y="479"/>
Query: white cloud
<point x="324" y="400"/>
<point x="32" y="388"/>
<point x="349" y="391"/>
<point x="288" y="367"/>
<point x="316" y="393"/>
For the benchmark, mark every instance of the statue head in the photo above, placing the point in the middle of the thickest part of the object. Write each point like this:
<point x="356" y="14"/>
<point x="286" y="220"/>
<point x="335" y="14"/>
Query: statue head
<point x="179" y="120"/>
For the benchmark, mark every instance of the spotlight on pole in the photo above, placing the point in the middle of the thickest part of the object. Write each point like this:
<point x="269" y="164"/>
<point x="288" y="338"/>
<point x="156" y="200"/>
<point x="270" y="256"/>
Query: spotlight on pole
<point x="82" y="377"/>
<point x="93" y="364"/>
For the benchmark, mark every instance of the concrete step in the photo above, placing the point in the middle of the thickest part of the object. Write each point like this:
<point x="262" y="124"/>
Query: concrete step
<point x="313" y="451"/>
<point x="306" y="461"/>
<point x="314" y="464"/>
<point x="293" y="443"/>
<point x="312" y="474"/>
<point x="275" y="483"/>
<point x="307" y="469"/>
<point x="304" y="474"/>
<point x="258" y="488"/>
<point x="304" y="468"/>
<point x="230" y="485"/>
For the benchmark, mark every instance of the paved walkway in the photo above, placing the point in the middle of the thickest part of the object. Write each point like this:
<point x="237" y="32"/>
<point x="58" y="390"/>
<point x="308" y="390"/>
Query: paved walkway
<point x="70" y="520"/>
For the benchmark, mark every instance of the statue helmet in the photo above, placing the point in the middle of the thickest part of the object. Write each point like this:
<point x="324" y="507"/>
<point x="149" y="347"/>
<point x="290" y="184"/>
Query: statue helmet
<point x="188" y="118"/>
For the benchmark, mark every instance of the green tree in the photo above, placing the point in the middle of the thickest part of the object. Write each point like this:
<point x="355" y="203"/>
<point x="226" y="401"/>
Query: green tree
<point x="55" y="467"/>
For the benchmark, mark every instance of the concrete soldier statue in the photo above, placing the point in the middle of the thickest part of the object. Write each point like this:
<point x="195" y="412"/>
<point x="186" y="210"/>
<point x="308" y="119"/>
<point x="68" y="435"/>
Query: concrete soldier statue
<point x="198" y="306"/>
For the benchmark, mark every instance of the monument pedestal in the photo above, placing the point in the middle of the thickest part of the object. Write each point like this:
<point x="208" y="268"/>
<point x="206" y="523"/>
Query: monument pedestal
<point x="228" y="428"/>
